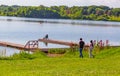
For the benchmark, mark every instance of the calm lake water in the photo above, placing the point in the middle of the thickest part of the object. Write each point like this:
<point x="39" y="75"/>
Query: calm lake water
<point x="21" y="30"/>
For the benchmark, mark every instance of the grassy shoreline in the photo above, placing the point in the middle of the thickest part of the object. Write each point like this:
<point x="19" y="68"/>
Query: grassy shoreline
<point x="105" y="63"/>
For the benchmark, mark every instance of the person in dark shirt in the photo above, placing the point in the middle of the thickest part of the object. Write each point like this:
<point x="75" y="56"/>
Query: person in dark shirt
<point x="81" y="46"/>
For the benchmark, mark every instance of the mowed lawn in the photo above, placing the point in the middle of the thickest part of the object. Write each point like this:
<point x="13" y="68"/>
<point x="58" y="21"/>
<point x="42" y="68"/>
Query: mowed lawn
<point x="105" y="63"/>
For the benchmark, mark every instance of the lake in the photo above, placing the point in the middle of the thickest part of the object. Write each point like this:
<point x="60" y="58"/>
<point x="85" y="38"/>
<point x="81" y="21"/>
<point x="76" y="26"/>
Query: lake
<point x="20" y="30"/>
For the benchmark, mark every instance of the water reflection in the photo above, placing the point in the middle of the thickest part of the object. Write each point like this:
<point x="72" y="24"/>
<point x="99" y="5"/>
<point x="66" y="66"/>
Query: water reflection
<point x="7" y="51"/>
<point x="62" y="21"/>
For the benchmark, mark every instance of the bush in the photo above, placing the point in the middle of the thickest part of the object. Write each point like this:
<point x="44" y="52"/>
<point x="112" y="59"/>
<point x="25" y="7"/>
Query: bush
<point x="23" y="55"/>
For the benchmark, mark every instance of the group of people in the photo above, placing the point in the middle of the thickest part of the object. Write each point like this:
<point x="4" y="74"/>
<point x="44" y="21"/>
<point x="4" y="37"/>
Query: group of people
<point x="81" y="46"/>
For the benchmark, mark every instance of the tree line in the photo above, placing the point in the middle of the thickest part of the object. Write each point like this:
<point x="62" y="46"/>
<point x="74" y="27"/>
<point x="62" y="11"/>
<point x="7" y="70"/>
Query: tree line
<point x="93" y="12"/>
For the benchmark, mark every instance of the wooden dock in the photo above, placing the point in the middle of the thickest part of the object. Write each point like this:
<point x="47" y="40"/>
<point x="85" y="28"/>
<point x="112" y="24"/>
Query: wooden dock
<point x="9" y="44"/>
<point x="22" y="47"/>
<point x="58" y="42"/>
<point x="33" y="44"/>
<point x="18" y="46"/>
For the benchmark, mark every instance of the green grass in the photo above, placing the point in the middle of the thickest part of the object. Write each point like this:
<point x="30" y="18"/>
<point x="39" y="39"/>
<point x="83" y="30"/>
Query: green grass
<point x="105" y="63"/>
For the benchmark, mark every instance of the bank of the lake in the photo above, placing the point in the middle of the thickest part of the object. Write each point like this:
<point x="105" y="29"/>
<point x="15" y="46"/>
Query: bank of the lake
<point x="105" y="63"/>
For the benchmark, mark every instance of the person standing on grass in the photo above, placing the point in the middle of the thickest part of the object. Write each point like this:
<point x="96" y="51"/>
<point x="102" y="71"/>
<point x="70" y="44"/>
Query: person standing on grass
<point x="91" y="46"/>
<point x="81" y="46"/>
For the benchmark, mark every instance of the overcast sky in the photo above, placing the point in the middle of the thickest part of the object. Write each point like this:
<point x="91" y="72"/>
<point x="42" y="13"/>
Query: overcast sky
<point x="110" y="3"/>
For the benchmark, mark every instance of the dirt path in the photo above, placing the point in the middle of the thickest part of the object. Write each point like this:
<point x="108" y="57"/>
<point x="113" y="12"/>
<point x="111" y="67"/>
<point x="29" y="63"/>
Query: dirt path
<point x="54" y="55"/>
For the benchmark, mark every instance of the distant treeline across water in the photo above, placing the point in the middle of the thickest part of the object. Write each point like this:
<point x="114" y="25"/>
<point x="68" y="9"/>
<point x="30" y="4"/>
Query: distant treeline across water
<point x="103" y="13"/>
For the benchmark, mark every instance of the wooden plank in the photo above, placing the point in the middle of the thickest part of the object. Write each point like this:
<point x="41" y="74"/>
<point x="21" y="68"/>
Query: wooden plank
<point x="58" y="42"/>
<point x="2" y="43"/>
<point x="19" y="46"/>
<point x="14" y="45"/>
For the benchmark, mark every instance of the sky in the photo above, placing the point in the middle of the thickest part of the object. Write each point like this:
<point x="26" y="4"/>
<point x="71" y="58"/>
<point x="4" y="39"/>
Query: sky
<point x="70" y="3"/>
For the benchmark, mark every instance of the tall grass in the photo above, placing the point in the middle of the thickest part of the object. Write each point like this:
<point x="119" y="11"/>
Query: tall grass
<point x="65" y="53"/>
<point x="24" y="56"/>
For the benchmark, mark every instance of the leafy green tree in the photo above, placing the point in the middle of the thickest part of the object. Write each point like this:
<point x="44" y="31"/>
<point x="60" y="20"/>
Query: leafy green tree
<point x="63" y="12"/>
